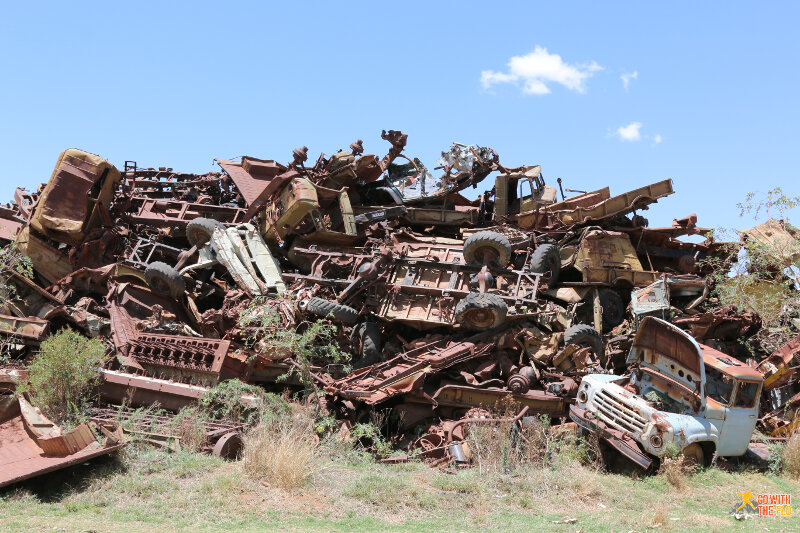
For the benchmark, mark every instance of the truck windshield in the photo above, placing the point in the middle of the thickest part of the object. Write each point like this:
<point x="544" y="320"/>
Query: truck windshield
<point x="746" y="394"/>
<point x="718" y="386"/>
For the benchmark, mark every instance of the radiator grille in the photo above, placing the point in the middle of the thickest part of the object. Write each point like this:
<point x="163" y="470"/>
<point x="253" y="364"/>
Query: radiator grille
<point x="615" y="412"/>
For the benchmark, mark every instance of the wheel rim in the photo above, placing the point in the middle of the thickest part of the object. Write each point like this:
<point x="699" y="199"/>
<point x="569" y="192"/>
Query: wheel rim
<point x="198" y="237"/>
<point x="160" y="285"/>
<point x="693" y="454"/>
<point x="479" y="318"/>
<point x="487" y="254"/>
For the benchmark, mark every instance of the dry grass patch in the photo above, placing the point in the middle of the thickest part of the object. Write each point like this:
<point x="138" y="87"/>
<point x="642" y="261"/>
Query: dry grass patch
<point x="281" y="452"/>
<point x="791" y="455"/>
<point x="675" y="471"/>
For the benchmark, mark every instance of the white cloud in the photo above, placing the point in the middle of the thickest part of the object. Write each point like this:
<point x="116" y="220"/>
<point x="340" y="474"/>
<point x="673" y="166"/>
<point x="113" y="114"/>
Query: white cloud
<point x="627" y="77"/>
<point x="657" y="139"/>
<point x="630" y="132"/>
<point x="538" y="68"/>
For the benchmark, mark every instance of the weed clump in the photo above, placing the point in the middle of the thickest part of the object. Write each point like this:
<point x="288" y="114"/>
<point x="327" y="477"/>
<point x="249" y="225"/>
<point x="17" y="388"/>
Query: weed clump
<point x="674" y="470"/>
<point x="791" y="455"/>
<point x="368" y="435"/>
<point x="281" y="451"/>
<point x="235" y="401"/>
<point x="309" y="342"/>
<point x="189" y="425"/>
<point x="62" y="375"/>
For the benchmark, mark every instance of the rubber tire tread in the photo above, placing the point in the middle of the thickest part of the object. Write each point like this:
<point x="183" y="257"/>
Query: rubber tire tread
<point x="585" y="334"/>
<point x="496" y="240"/>
<point x="543" y="256"/>
<point x="199" y="230"/>
<point x="325" y="308"/>
<point x="370" y="336"/>
<point x="158" y="269"/>
<point x="610" y="322"/>
<point x="476" y="300"/>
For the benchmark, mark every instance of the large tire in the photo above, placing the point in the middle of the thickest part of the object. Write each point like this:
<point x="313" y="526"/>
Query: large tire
<point x="613" y="309"/>
<point x="481" y="311"/>
<point x="547" y="261"/>
<point x="339" y="312"/>
<point x="368" y="337"/>
<point x="490" y="243"/>
<point x="200" y="230"/>
<point x="584" y="335"/>
<point x="164" y="279"/>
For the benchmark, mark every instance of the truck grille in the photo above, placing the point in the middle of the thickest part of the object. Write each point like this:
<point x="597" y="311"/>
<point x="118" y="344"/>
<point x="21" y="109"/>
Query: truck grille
<point x="616" y="413"/>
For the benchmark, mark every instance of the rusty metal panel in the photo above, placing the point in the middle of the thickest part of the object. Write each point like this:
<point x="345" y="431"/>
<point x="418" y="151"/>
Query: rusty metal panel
<point x="21" y="459"/>
<point x="68" y="443"/>
<point x="47" y="261"/>
<point x="608" y="249"/>
<point x="249" y="185"/>
<point x="654" y="338"/>
<point x="616" y="205"/>
<point x="652" y="299"/>
<point x="9" y="229"/>
<point x="539" y="402"/>
<point x="619" y="276"/>
<point x="24" y="453"/>
<point x="169" y="213"/>
<point x="138" y="390"/>
<point x="30" y="328"/>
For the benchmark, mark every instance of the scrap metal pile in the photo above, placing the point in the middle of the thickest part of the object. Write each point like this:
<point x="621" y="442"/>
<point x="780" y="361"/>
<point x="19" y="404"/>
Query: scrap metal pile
<point x="444" y="305"/>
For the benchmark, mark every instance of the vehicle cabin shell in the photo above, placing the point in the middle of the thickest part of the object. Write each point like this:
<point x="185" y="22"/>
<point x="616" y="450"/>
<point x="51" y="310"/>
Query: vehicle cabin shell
<point x="318" y="213"/>
<point x="680" y="394"/>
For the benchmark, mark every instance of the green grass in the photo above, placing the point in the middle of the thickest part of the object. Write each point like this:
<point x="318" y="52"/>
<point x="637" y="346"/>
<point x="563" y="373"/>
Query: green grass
<point x="152" y="490"/>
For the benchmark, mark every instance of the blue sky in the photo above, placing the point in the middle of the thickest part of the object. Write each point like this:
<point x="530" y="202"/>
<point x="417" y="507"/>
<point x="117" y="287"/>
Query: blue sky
<point x="177" y="84"/>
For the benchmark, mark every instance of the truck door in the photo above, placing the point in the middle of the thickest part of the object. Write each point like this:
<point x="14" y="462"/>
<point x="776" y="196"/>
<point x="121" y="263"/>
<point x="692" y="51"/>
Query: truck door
<point x="740" y="419"/>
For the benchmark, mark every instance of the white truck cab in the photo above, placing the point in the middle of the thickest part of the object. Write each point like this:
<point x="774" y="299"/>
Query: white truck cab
<point x="679" y="394"/>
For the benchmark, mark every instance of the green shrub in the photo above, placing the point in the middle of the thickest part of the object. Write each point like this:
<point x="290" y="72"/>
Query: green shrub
<point x="368" y="435"/>
<point x="62" y="375"/>
<point x="224" y="402"/>
<point x="309" y="342"/>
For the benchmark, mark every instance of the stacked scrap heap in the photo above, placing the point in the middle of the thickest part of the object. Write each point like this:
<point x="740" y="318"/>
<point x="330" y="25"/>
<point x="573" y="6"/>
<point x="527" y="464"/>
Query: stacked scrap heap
<point x="442" y="306"/>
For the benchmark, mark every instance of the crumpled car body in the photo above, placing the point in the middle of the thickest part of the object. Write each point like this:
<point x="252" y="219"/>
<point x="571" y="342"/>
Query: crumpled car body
<point x="81" y="186"/>
<point x="679" y="394"/>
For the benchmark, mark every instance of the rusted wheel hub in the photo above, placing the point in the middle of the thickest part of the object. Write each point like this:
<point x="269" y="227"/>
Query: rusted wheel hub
<point x="480" y="318"/>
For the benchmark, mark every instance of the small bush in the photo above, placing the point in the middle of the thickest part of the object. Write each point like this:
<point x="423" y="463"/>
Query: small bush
<point x="791" y="455"/>
<point x="674" y="470"/>
<point x="190" y="426"/>
<point x="505" y="446"/>
<point x="224" y="402"/>
<point x="369" y="436"/>
<point x="775" y="462"/>
<point x="62" y="375"/>
<point x="281" y="451"/>
<point x="310" y="341"/>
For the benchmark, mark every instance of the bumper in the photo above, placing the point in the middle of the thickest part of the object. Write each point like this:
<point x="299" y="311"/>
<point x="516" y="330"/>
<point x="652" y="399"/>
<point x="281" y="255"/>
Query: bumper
<point x="618" y="440"/>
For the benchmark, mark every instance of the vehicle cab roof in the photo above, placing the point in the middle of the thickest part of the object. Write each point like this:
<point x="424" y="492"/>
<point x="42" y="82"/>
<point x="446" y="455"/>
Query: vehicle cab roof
<point x="728" y="364"/>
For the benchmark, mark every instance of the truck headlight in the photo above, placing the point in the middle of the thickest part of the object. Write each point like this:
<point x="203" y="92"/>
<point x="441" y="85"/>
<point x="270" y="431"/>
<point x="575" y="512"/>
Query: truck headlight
<point x="583" y="397"/>
<point x="656" y="441"/>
